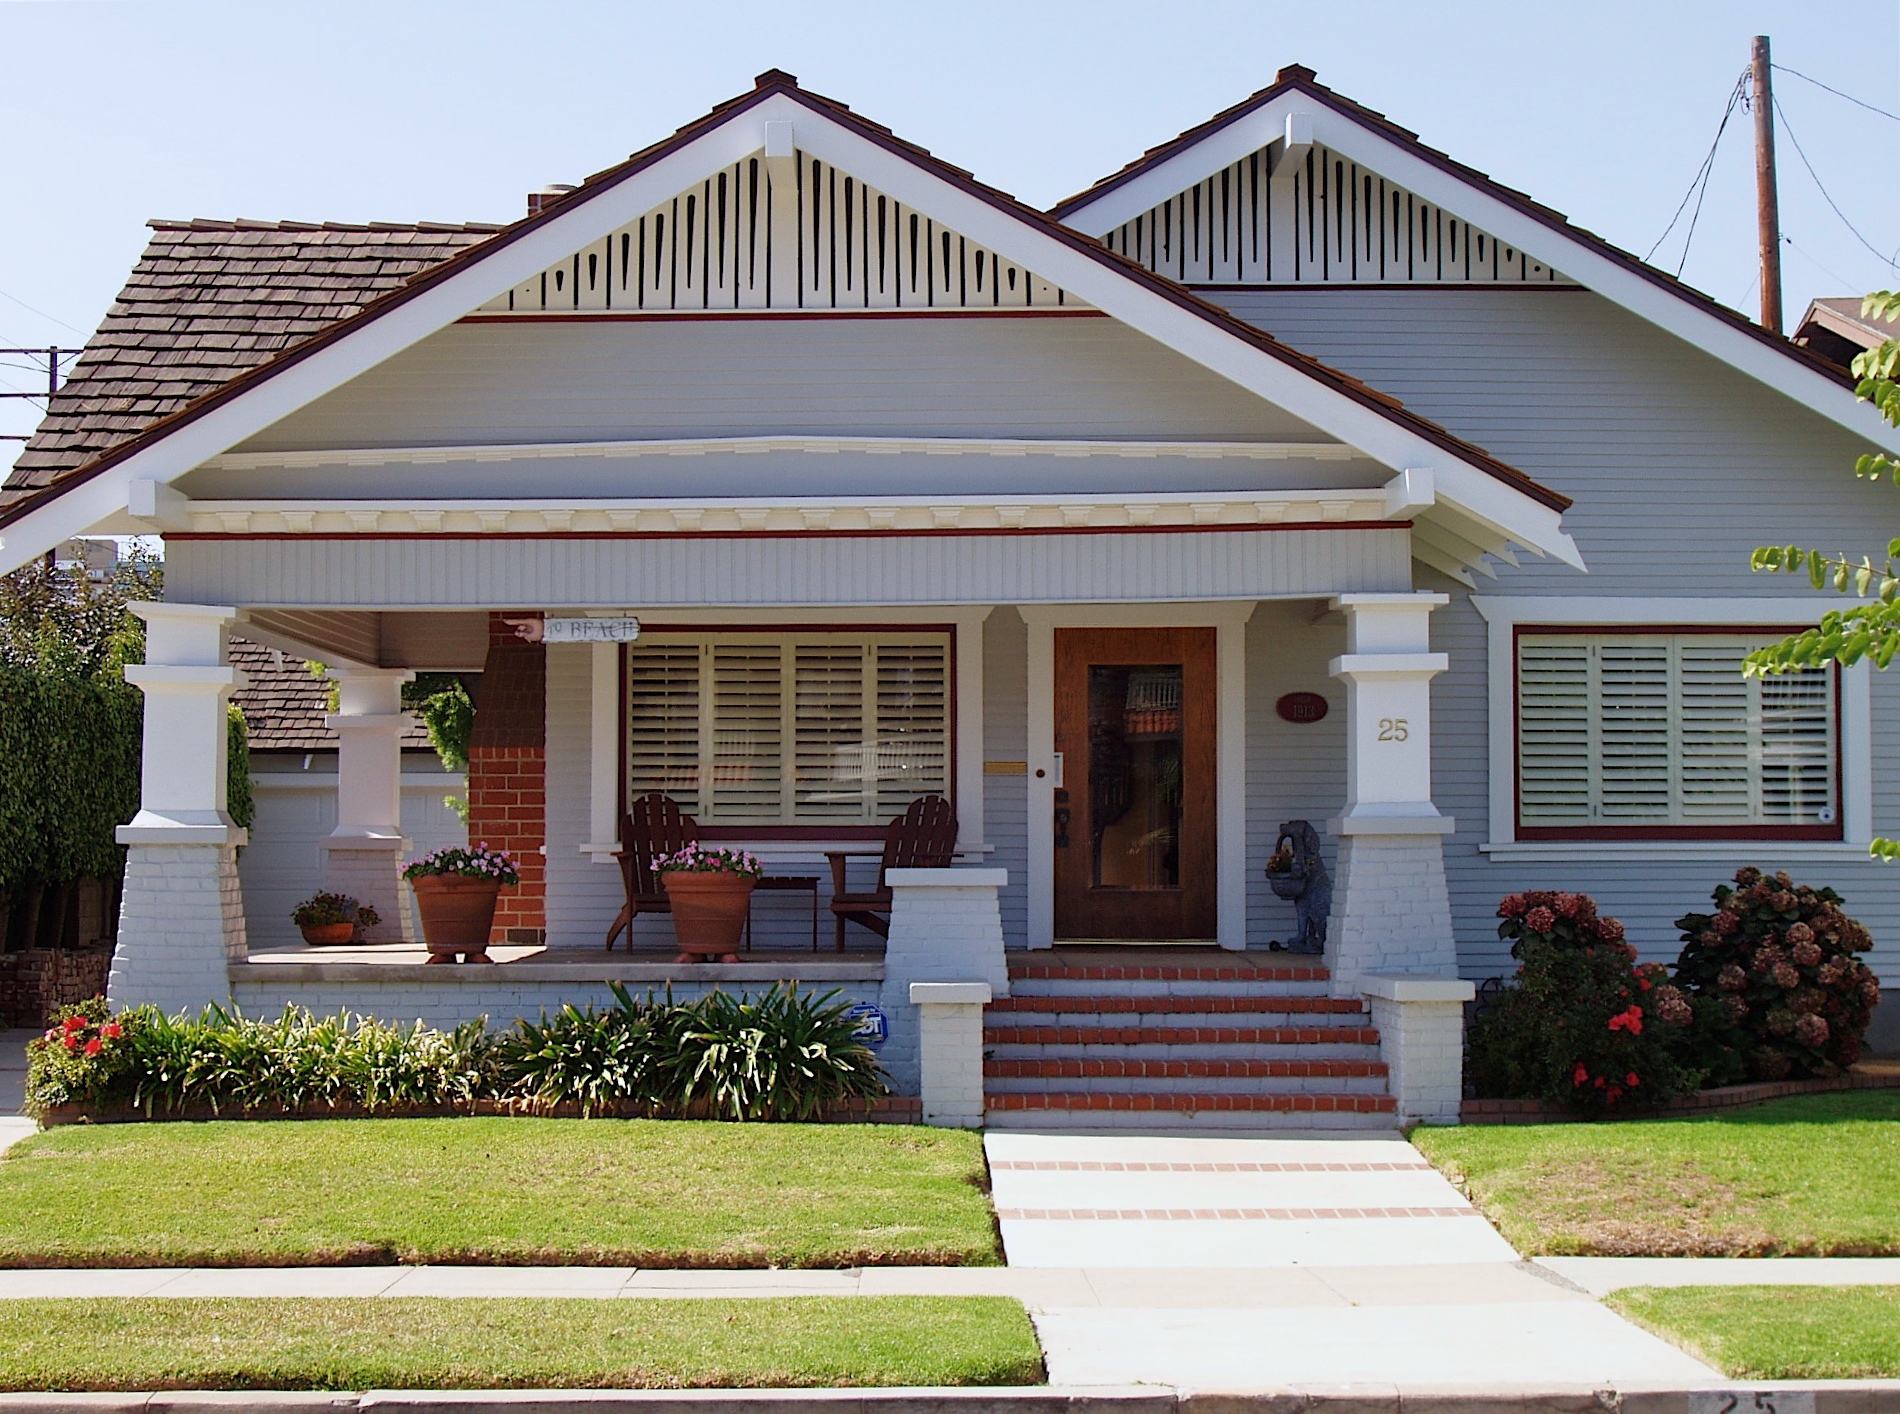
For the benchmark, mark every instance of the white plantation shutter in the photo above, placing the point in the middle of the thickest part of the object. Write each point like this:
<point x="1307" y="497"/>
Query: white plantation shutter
<point x="912" y="724"/>
<point x="663" y="722"/>
<point x="807" y="729"/>
<point x="1662" y="729"/>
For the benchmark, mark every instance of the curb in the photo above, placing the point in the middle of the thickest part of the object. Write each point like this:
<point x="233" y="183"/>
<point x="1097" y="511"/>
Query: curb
<point x="1768" y="1397"/>
<point x="1878" y="1076"/>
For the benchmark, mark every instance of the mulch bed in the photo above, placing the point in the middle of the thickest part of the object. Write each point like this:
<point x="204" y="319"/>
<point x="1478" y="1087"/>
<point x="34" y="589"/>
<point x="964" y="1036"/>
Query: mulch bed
<point x="1869" y="1075"/>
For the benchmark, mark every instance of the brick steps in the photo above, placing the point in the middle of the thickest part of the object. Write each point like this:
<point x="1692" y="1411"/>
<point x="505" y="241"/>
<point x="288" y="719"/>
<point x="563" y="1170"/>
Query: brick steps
<point x="1149" y="1004"/>
<point x="1044" y="971"/>
<point x="1139" y="1069"/>
<point x="1044" y="1034"/>
<point x="1176" y="1102"/>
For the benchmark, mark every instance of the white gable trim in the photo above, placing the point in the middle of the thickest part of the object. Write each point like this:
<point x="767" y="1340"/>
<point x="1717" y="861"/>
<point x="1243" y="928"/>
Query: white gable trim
<point x="1320" y="123"/>
<point x="1144" y="309"/>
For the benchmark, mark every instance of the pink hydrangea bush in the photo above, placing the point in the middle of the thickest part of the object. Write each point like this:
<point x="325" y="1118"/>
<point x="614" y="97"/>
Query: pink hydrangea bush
<point x="1582" y="1024"/>
<point x="1780" y="962"/>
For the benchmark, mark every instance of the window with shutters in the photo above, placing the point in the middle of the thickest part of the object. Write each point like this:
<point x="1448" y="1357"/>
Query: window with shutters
<point x="1658" y="735"/>
<point x="806" y="730"/>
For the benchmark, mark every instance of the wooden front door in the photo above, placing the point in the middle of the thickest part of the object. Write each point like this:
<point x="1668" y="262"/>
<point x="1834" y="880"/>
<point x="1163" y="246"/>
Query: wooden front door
<point x="1134" y="820"/>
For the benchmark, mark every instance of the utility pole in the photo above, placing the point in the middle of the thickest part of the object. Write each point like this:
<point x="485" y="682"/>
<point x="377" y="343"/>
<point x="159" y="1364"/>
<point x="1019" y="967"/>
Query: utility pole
<point x="1767" y="206"/>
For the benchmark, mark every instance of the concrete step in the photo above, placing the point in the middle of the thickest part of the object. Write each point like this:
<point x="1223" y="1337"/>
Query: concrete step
<point x="1073" y="980"/>
<point x="1189" y="1121"/>
<point x="1005" y="1049"/>
<point x="1149" y="1004"/>
<point x="1117" y="1031"/>
<point x="1224" y="1078"/>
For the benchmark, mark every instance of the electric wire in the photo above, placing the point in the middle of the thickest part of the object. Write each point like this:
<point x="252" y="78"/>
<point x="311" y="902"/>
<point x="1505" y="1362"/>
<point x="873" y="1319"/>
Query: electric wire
<point x="1836" y="92"/>
<point x="1699" y="184"/>
<point x="1821" y="187"/>
<point x="42" y="313"/>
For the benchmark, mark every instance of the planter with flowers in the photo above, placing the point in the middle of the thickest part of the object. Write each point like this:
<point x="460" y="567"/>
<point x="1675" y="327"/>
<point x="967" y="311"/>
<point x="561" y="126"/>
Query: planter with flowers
<point x="333" y="920"/>
<point x="456" y="889"/>
<point x="710" y="894"/>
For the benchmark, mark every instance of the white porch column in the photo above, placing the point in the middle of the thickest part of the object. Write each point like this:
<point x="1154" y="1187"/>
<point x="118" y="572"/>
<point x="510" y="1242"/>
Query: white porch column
<point x="181" y="916"/>
<point x="363" y="855"/>
<point x="1391" y="912"/>
<point x="945" y="927"/>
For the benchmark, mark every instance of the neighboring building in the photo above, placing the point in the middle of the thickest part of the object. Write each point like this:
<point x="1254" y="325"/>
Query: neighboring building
<point x="1835" y="329"/>
<point x="1293" y="473"/>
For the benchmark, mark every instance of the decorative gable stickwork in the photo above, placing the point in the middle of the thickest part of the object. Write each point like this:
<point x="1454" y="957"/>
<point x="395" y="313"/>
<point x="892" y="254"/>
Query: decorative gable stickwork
<point x="782" y="234"/>
<point x="1320" y="219"/>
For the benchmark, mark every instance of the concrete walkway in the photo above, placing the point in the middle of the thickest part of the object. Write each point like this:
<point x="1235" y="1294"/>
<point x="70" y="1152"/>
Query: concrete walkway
<point x="1601" y="1275"/>
<point x="1359" y="1262"/>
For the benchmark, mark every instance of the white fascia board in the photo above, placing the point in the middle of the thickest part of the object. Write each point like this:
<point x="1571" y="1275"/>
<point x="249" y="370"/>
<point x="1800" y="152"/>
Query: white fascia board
<point x="1514" y="516"/>
<point x="1576" y="258"/>
<point x="105" y="495"/>
<point x="1143" y="309"/>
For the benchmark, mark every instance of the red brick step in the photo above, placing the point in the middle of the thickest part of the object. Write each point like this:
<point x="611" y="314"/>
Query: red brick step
<point x="1282" y="1103"/>
<point x="1338" y="1006"/>
<point x="1033" y="1035"/>
<point x="1078" y="1069"/>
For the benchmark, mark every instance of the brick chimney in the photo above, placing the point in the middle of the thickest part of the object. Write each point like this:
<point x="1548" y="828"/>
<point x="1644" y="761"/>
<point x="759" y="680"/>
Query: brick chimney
<point x="539" y="201"/>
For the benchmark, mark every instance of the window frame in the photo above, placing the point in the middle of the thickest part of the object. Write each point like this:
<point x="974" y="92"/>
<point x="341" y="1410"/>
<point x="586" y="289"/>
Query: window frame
<point x="777" y="632"/>
<point x="1532" y="833"/>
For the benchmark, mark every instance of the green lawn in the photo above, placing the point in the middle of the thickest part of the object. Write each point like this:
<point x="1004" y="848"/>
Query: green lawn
<point x="425" y="1343"/>
<point x="1815" y="1175"/>
<point x="495" y="1190"/>
<point x="1777" y="1332"/>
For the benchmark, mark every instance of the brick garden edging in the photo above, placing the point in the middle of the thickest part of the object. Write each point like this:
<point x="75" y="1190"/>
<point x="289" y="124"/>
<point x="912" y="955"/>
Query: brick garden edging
<point x="1723" y="1097"/>
<point x="892" y="1109"/>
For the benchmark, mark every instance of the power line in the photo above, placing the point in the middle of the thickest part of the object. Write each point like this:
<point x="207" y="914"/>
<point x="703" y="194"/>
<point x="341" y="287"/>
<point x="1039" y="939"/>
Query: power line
<point x="1838" y="94"/>
<point x="1699" y="184"/>
<point x="1789" y="127"/>
<point x="42" y="313"/>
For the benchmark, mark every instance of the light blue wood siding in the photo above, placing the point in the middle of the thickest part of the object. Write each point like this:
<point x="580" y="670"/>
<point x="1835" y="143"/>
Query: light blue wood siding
<point x="1680" y="466"/>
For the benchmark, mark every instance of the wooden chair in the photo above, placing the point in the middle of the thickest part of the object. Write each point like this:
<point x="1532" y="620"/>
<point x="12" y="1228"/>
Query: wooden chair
<point x="923" y="837"/>
<point x="651" y="829"/>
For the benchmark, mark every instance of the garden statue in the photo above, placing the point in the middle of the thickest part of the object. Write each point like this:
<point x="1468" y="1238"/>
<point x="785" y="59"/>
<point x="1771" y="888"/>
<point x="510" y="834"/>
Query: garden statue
<point x="1295" y="871"/>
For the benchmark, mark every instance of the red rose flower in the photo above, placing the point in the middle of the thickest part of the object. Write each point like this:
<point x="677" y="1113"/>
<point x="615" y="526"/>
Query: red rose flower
<point x="94" y="1046"/>
<point x="1579" y="1075"/>
<point x="113" y="1029"/>
<point x="1632" y="1080"/>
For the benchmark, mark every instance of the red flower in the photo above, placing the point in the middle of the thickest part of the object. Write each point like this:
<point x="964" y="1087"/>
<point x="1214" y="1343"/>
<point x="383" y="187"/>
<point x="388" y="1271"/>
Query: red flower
<point x="113" y="1029"/>
<point x="1615" y="1094"/>
<point x="73" y="1023"/>
<point x="1632" y="1080"/>
<point x="1540" y="920"/>
<point x="94" y="1046"/>
<point x="1579" y="1075"/>
<point x="69" y="1043"/>
<point x="1630" y="1021"/>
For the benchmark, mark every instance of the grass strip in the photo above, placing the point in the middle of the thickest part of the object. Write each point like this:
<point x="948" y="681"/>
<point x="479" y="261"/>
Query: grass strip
<point x="646" y="1193"/>
<point x="437" y="1343"/>
<point x="1776" y="1332"/>
<point x="1816" y="1175"/>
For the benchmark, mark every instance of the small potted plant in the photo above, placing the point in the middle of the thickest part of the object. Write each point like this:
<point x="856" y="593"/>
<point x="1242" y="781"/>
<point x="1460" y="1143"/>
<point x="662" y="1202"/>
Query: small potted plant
<point x="332" y="920"/>
<point x="456" y="889"/>
<point x="710" y="892"/>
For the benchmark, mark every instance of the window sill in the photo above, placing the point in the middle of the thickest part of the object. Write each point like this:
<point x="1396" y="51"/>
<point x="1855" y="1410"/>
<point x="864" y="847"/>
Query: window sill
<point x="1715" y="851"/>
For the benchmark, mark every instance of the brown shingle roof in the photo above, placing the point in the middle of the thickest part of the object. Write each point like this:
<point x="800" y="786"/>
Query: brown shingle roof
<point x="284" y="705"/>
<point x="207" y="301"/>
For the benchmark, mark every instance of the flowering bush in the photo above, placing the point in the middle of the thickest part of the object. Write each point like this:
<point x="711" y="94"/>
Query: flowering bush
<point x="697" y="859"/>
<point x="480" y="862"/>
<point x="1779" y="962"/>
<point x="321" y="909"/>
<point x="1582" y="1024"/>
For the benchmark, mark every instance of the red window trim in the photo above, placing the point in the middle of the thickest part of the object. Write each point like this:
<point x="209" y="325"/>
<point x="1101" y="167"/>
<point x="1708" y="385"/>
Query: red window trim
<point x="804" y="832"/>
<point x="1532" y="834"/>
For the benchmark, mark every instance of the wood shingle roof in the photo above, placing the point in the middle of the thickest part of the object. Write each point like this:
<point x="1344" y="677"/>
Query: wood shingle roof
<point x="208" y="301"/>
<point x="284" y="704"/>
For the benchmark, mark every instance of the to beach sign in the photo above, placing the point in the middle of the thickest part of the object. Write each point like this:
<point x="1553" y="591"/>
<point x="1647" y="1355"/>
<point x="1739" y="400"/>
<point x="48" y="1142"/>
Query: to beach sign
<point x="622" y="628"/>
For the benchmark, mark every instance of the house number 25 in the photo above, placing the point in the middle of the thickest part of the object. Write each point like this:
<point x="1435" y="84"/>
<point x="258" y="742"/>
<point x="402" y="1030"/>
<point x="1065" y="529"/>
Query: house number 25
<point x="1393" y="729"/>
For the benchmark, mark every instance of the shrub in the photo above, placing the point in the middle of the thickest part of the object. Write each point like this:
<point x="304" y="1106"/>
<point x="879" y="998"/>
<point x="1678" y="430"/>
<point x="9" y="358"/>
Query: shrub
<point x="322" y="909"/>
<point x="783" y="1055"/>
<point x="1582" y="1024"/>
<point x="1778" y="964"/>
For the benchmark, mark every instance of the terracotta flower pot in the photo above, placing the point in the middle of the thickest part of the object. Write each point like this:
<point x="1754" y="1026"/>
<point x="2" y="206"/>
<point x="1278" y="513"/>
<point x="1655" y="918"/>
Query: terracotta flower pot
<point x="709" y="911"/>
<point x="328" y="935"/>
<point x="457" y="913"/>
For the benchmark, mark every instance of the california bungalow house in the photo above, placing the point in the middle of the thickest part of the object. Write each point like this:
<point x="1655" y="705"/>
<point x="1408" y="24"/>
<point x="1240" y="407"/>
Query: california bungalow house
<point x="1294" y="473"/>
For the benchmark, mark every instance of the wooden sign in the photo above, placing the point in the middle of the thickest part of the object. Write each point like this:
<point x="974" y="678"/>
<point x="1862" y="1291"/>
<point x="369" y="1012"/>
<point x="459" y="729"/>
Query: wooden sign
<point x="1301" y="707"/>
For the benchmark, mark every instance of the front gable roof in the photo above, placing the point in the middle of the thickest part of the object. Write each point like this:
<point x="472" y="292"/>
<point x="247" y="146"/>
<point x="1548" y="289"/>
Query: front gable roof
<point x="1495" y="501"/>
<point x="1296" y="110"/>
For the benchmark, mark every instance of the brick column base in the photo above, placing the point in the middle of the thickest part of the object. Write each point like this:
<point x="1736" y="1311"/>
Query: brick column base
<point x="1421" y="1023"/>
<point x="181" y="926"/>
<point x="507" y="777"/>
<point x="950" y="1051"/>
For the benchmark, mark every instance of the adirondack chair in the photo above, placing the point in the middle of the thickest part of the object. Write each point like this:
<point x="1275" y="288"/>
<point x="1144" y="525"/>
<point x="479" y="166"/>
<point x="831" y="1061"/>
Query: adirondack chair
<point x="923" y="837"/>
<point x="652" y="828"/>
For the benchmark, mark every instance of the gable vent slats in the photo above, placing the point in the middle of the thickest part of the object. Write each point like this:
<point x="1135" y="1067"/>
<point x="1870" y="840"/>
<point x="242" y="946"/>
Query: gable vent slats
<point x="798" y="235"/>
<point x="1320" y="220"/>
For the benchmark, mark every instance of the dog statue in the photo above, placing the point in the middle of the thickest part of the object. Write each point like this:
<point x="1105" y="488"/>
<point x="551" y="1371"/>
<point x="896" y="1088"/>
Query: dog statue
<point x="1297" y="872"/>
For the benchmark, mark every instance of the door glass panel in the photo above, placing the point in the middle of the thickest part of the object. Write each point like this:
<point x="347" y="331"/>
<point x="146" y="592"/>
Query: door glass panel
<point x="1135" y="775"/>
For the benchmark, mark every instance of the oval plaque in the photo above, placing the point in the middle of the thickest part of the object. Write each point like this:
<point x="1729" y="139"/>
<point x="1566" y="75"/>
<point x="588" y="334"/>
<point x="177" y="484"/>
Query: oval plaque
<point x="1301" y="707"/>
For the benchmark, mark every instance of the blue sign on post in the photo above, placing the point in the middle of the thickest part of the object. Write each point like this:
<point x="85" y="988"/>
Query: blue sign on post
<point x="874" y="1027"/>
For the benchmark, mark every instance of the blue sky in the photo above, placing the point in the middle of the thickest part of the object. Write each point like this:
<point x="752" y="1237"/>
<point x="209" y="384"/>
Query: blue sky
<point x="120" y="110"/>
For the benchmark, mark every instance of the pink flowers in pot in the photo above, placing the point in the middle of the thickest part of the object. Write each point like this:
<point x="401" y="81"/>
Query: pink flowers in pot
<point x="481" y="862"/>
<point x="696" y="858"/>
